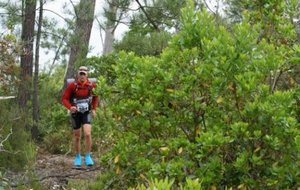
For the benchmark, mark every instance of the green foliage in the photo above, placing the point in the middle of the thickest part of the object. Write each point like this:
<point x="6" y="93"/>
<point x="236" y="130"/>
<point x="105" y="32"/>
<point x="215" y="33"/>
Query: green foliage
<point x="9" y="69"/>
<point x="162" y="15"/>
<point x="11" y="18"/>
<point x="56" y="40"/>
<point x="54" y="126"/>
<point x="17" y="150"/>
<point x="204" y="109"/>
<point x="53" y="113"/>
<point x="267" y="10"/>
<point x="53" y="37"/>
<point x="151" y="27"/>
<point x="152" y="43"/>
<point x="167" y="184"/>
<point x="58" y="142"/>
<point x="103" y="67"/>
<point x="275" y="27"/>
<point x="78" y="184"/>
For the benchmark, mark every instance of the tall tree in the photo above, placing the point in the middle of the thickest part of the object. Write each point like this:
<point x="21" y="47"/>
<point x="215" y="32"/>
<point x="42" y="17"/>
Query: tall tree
<point x="35" y="99"/>
<point x="110" y="26"/>
<point x="27" y="37"/>
<point x="80" y="40"/>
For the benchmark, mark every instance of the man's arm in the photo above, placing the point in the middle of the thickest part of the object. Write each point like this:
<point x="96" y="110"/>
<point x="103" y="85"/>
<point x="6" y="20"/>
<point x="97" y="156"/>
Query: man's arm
<point x="66" y="96"/>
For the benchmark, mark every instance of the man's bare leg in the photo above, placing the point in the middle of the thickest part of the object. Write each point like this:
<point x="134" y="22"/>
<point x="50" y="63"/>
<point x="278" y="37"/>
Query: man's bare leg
<point x="88" y="144"/>
<point x="76" y="140"/>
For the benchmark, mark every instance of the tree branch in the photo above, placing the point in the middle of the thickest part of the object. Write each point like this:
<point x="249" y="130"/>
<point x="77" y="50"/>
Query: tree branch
<point x="147" y="16"/>
<point x="74" y="7"/>
<point x="207" y="6"/>
<point x="101" y="28"/>
<point x="6" y="97"/>
<point x="57" y="53"/>
<point x="275" y="81"/>
<point x="62" y="17"/>
<point x="55" y="35"/>
<point x="186" y="133"/>
<point x="6" y="138"/>
<point x="117" y="23"/>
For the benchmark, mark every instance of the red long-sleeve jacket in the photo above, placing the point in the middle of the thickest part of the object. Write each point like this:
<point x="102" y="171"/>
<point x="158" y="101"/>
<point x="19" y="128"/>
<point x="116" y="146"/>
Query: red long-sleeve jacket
<point x="81" y="91"/>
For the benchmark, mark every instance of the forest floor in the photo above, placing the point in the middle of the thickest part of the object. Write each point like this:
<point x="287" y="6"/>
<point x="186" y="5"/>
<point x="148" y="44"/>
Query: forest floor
<point x="56" y="172"/>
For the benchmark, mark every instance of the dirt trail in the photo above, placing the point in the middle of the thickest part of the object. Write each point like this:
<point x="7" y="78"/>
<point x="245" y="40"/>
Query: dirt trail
<point x="56" y="171"/>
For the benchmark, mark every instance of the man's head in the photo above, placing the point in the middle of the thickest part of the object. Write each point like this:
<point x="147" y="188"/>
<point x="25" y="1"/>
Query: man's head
<point x="82" y="73"/>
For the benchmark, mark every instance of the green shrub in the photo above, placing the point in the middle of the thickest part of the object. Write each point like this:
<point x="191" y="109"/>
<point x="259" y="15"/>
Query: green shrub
<point x="17" y="150"/>
<point x="204" y="109"/>
<point x="59" y="142"/>
<point x="167" y="184"/>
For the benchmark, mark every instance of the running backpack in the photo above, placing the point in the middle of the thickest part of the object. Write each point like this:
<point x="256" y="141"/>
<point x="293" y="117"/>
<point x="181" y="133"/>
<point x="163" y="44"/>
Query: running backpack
<point x="90" y="87"/>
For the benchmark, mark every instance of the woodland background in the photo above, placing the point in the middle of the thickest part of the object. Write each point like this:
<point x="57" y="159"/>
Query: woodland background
<point x="191" y="97"/>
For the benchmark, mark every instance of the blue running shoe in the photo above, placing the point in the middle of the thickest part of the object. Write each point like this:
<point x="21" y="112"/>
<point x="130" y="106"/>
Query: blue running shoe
<point x="77" y="160"/>
<point x="88" y="160"/>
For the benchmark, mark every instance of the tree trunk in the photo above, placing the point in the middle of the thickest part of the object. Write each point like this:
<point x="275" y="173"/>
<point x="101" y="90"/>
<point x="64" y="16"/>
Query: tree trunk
<point x="35" y="101"/>
<point x="110" y="28"/>
<point x="27" y="54"/>
<point x="108" y="41"/>
<point x="80" y="40"/>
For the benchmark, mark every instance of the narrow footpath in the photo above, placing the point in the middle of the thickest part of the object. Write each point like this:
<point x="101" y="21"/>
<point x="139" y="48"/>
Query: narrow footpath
<point x="56" y="172"/>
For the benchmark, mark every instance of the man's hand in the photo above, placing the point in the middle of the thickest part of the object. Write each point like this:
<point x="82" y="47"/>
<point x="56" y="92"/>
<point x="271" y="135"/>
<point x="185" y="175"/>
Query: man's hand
<point x="94" y="113"/>
<point x="73" y="109"/>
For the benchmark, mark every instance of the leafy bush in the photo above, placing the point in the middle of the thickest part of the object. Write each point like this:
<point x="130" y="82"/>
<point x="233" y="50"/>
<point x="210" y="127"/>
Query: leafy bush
<point x="206" y="109"/>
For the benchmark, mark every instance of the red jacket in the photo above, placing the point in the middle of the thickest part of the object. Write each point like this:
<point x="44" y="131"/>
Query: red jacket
<point x="81" y="92"/>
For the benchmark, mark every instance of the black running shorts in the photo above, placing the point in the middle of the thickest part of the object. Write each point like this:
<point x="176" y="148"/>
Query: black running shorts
<point x="78" y="119"/>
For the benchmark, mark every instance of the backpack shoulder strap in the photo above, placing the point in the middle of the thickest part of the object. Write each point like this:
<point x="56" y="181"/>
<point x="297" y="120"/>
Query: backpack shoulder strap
<point x="75" y="87"/>
<point x="90" y="88"/>
<point x="74" y="91"/>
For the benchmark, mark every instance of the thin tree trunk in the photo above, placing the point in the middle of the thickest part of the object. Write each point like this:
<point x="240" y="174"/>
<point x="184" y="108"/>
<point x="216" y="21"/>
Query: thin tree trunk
<point x="27" y="54"/>
<point x="56" y="55"/>
<point x="110" y="28"/>
<point x="108" y="41"/>
<point x="35" y="103"/>
<point x="81" y="37"/>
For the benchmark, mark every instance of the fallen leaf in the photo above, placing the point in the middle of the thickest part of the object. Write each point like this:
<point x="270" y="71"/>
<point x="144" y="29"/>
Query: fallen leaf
<point x="117" y="158"/>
